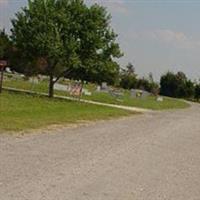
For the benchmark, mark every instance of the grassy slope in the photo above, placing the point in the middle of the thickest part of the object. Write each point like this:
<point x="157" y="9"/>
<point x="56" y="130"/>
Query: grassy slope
<point x="21" y="112"/>
<point x="149" y="103"/>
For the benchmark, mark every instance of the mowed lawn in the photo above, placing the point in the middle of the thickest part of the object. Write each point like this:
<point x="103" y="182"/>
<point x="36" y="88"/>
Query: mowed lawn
<point x="147" y="102"/>
<point x="126" y="100"/>
<point x="21" y="112"/>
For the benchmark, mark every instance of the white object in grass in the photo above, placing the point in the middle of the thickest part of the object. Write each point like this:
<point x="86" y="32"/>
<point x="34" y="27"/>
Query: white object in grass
<point x="160" y="99"/>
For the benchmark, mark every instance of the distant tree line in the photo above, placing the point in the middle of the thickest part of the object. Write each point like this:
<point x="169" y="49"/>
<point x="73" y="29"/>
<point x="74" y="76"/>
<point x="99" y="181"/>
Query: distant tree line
<point x="179" y="86"/>
<point x="129" y="80"/>
<point x="171" y="84"/>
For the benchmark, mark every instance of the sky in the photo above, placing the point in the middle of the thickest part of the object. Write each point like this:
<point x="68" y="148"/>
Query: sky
<point x="155" y="35"/>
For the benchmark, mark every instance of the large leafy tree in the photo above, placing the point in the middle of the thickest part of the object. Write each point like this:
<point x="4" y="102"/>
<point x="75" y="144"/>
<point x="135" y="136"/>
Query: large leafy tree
<point x="98" y="46"/>
<point x="66" y="38"/>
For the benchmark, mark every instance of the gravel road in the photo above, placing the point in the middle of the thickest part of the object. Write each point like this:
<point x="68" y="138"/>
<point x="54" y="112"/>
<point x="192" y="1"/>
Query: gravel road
<point x="155" y="156"/>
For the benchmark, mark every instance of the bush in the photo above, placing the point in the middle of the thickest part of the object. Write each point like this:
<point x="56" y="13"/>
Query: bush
<point x="197" y="92"/>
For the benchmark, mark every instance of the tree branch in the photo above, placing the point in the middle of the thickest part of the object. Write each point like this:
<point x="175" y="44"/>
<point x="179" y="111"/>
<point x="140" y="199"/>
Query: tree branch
<point x="62" y="74"/>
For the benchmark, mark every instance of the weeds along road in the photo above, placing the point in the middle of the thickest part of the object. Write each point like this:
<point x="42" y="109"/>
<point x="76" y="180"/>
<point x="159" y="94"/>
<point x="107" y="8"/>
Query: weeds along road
<point x="155" y="156"/>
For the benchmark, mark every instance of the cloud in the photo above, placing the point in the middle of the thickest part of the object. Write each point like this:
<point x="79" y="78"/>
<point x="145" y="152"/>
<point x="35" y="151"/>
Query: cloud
<point x="117" y="6"/>
<point x="178" y="39"/>
<point x="168" y="37"/>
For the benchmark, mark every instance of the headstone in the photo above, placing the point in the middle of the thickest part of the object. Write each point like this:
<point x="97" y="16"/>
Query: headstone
<point x="159" y="99"/>
<point x="98" y="88"/>
<point x="133" y="93"/>
<point x="104" y="86"/>
<point x="145" y="94"/>
<point x="86" y="92"/>
<point x="136" y="93"/>
<point x="22" y="75"/>
<point x="34" y="80"/>
<point x="8" y="70"/>
<point x="68" y="87"/>
<point x="139" y="93"/>
<point x="60" y="87"/>
<point x="116" y="93"/>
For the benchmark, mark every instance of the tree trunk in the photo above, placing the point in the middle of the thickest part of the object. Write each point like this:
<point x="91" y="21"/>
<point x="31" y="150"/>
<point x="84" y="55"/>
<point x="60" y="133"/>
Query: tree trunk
<point x="51" y="87"/>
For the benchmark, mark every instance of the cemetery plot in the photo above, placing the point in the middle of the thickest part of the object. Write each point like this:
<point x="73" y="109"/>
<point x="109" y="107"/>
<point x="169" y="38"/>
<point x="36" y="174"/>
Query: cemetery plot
<point x="102" y="93"/>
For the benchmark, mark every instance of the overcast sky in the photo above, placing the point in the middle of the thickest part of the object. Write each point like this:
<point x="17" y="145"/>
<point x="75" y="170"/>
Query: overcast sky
<point x="155" y="35"/>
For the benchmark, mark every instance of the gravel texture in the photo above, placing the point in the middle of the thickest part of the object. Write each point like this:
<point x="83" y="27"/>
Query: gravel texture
<point x="154" y="156"/>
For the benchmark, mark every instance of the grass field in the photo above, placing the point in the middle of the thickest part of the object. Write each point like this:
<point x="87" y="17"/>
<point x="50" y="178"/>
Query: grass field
<point x="21" y="112"/>
<point x="127" y="100"/>
<point x="148" y="102"/>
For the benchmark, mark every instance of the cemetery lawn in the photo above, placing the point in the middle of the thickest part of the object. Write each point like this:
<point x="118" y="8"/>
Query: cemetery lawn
<point x="21" y="112"/>
<point x="126" y="100"/>
<point x="147" y="103"/>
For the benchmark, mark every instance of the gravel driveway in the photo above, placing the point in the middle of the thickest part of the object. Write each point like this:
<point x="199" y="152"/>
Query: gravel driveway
<point x="155" y="156"/>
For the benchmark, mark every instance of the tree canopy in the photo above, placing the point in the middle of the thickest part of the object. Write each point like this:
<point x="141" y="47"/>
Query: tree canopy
<point x="197" y="92"/>
<point x="66" y="38"/>
<point x="5" y="45"/>
<point x="176" y="85"/>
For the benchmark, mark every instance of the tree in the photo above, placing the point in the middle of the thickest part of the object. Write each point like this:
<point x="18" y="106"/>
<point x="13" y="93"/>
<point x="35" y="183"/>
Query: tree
<point x="71" y="39"/>
<point x="176" y="85"/>
<point x="128" y="81"/>
<point x="97" y="47"/>
<point x="5" y="45"/>
<point x="42" y="31"/>
<point x="197" y="92"/>
<point x="148" y="85"/>
<point x="186" y="89"/>
<point x="7" y="52"/>
<point x="128" y="77"/>
<point x="130" y="69"/>
<point x="168" y="85"/>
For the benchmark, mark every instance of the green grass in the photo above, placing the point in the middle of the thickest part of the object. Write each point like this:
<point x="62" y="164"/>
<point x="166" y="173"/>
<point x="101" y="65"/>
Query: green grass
<point x="127" y="100"/>
<point x="26" y="85"/>
<point x="147" y="103"/>
<point x="21" y="112"/>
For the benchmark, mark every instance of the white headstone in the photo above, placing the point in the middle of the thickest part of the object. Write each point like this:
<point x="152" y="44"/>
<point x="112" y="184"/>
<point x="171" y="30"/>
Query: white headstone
<point x="104" y="86"/>
<point x="98" y="88"/>
<point x="160" y="99"/>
